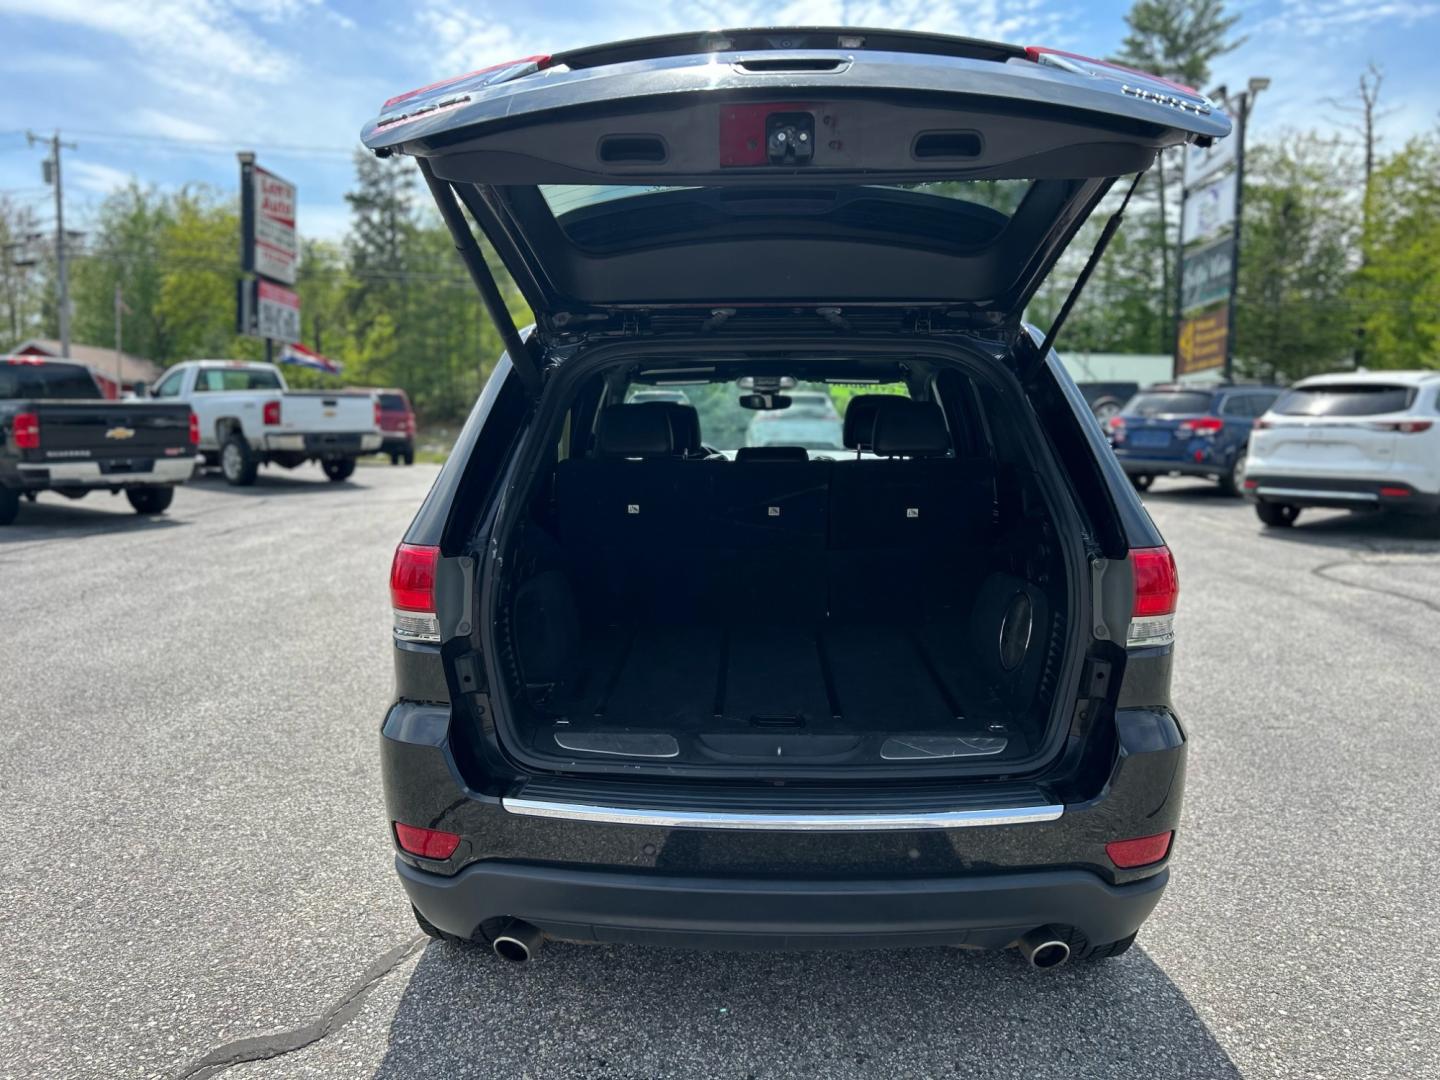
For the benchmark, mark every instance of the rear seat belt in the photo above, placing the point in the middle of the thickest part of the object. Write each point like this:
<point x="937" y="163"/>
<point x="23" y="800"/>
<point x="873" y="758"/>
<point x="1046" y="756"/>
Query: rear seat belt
<point x="1105" y="234"/>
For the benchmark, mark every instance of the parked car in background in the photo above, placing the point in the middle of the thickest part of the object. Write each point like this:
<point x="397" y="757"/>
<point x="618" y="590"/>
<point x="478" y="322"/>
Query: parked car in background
<point x="1176" y="430"/>
<point x="659" y="393"/>
<point x="811" y="421"/>
<point x="248" y="417"/>
<point x="1106" y="399"/>
<point x="58" y="433"/>
<point x="397" y="425"/>
<point x="1363" y="441"/>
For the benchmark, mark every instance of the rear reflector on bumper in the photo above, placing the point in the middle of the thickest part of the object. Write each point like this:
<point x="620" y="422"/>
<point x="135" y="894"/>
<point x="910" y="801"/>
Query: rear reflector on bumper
<point x="1142" y="851"/>
<point x="427" y="843"/>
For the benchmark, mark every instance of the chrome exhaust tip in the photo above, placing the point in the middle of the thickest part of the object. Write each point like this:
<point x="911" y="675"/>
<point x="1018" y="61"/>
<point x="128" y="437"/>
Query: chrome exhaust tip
<point x="1044" y="949"/>
<point x="517" y="942"/>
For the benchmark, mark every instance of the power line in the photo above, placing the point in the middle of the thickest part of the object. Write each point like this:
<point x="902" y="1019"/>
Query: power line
<point x="225" y="146"/>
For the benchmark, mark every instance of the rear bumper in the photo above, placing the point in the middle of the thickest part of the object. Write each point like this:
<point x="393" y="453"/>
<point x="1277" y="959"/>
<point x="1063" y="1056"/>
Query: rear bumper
<point x="1340" y="493"/>
<point x="342" y="444"/>
<point x="1143" y="466"/>
<point x="983" y="911"/>
<point x="680" y="879"/>
<point x="99" y="474"/>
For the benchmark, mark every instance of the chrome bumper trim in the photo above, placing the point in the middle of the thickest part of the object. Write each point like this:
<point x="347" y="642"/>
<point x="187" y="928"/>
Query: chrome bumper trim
<point x="698" y="819"/>
<point x="1317" y="493"/>
<point x="88" y="474"/>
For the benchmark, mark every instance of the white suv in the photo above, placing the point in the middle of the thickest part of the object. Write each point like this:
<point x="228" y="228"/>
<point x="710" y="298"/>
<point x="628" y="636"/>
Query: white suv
<point x="1362" y="441"/>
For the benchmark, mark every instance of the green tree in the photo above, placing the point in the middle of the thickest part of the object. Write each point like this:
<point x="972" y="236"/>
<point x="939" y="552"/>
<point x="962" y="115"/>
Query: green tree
<point x="1301" y="229"/>
<point x="1397" y="289"/>
<point x="1178" y="39"/>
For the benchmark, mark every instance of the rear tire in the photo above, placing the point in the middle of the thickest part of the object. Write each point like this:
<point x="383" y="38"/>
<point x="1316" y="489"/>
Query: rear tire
<point x="1277" y="515"/>
<point x="1232" y="482"/>
<point x="9" y="505"/>
<point x="150" y="500"/>
<point x="1142" y="481"/>
<point x="409" y="455"/>
<point x="395" y="457"/>
<point x="338" y="469"/>
<point x="237" y="463"/>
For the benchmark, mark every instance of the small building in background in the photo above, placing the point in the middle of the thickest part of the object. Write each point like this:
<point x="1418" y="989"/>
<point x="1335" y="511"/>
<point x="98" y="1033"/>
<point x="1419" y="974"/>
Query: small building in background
<point x="102" y="363"/>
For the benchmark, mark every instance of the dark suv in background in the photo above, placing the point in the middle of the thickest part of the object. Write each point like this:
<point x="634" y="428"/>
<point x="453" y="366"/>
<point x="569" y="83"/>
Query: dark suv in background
<point x="653" y="686"/>
<point x="1180" y="430"/>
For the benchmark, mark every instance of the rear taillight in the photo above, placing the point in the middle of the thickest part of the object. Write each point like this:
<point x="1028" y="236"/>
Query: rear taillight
<point x="1157" y="589"/>
<point x="427" y="843"/>
<point x="27" y="431"/>
<point x="1263" y="423"/>
<point x="194" y="430"/>
<point x="1396" y="492"/>
<point x="376" y="403"/>
<point x="412" y="592"/>
<point x="1204" y="427"/>
<point x="1115" y="427"/>
<point x="1142" y="851"/>
<point x="271" y="413"/>
<point x="1404" y="427"/>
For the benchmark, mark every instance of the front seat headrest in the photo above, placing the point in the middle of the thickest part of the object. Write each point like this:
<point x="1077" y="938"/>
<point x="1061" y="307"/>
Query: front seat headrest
<point x="859" y="428"/>
<point x="907" y="428"/>
<point x="633" y="431"/>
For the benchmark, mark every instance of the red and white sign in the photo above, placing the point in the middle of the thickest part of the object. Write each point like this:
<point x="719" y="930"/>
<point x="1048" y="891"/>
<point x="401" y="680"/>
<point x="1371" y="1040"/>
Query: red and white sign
<point x="275" y="248"/>
<point x="277" y="312"/>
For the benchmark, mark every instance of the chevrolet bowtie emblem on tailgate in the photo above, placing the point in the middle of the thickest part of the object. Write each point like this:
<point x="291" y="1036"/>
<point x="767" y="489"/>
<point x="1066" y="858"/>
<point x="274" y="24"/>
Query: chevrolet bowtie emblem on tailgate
<point x="120" y="433"/>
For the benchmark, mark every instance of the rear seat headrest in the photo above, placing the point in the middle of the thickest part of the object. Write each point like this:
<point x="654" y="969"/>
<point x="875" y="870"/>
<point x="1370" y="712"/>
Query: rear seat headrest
<point x="627" y="431"/>
<point x="908" y="428"/>
<point x="859" y="429"/>
<point x="684" y="424"/>
<point x="772" y="453"/>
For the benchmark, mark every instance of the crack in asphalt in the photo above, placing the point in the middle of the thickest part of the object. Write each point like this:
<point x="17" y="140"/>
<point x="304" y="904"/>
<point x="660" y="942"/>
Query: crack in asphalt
<point x="1323" y="571"/>
<point x="263" y="1047"/>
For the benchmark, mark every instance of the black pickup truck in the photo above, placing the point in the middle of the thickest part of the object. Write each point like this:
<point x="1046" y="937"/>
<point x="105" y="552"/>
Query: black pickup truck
<point x="58" y="433"/>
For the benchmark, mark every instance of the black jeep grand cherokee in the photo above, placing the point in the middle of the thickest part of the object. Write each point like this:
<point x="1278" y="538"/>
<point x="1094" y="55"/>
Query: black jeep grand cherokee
<point x="657" y="682"/>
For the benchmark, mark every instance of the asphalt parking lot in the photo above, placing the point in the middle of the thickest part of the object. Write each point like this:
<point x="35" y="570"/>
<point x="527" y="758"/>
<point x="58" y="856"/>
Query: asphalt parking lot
<point x="198" y="875"/>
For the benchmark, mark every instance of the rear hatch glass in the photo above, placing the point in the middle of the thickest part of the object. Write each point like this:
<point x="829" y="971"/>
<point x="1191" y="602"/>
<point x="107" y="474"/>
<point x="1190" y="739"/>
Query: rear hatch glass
<point x="1368" y="399"/>
<point x="1169" y="403"/>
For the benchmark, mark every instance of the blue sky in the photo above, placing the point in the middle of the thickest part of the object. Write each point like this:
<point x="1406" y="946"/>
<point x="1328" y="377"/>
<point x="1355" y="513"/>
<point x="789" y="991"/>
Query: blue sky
<point x="168" y="90"/>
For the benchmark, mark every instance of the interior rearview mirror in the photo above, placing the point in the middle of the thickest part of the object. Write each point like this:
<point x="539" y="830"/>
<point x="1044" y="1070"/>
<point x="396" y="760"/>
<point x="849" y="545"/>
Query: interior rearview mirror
<point x="765" y="401"/>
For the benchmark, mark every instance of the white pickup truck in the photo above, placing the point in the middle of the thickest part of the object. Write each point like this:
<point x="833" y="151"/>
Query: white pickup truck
<point x="248" y="417"/>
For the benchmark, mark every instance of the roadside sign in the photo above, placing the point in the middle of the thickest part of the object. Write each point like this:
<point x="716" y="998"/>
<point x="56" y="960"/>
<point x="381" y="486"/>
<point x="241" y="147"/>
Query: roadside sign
<point x="269" y="244"/>
<point x="1205" y="274"/>
<point x="1202" y="163"/>
<point x="1201" y="344"/>
<point x="267" y="310"/>
<point x="1210" y="208"/>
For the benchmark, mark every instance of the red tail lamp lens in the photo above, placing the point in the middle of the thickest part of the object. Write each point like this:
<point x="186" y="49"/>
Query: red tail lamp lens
<point x="194" y="430"/>
<point x="1395" y="492"/>
<point x="271" y="412"/>
<point x="27" y="431"/>
<point x="412" y="577"/>
<point x="1157" y="582"/>
<point x="429" y="843"/>
<point x="1142" y="851"/>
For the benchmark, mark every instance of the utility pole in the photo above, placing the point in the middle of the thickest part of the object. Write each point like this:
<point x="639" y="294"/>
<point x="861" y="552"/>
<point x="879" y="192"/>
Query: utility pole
<point x="51" y="168"/>
<point x="1247" y="102"/>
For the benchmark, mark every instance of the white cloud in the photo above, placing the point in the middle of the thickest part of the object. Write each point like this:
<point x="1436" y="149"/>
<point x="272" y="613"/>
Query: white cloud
<point x="92" y="177"/>
<point x="1317" y="18"/>
<point x="159" y="122"/>
<point x="447" y="39"/>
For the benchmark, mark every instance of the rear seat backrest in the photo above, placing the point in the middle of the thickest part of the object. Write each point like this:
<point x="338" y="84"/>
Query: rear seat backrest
<point x="890" y="518"/>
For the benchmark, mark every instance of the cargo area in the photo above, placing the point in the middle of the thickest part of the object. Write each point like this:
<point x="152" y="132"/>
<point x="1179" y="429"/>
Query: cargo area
<point x="876" y="583"/>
